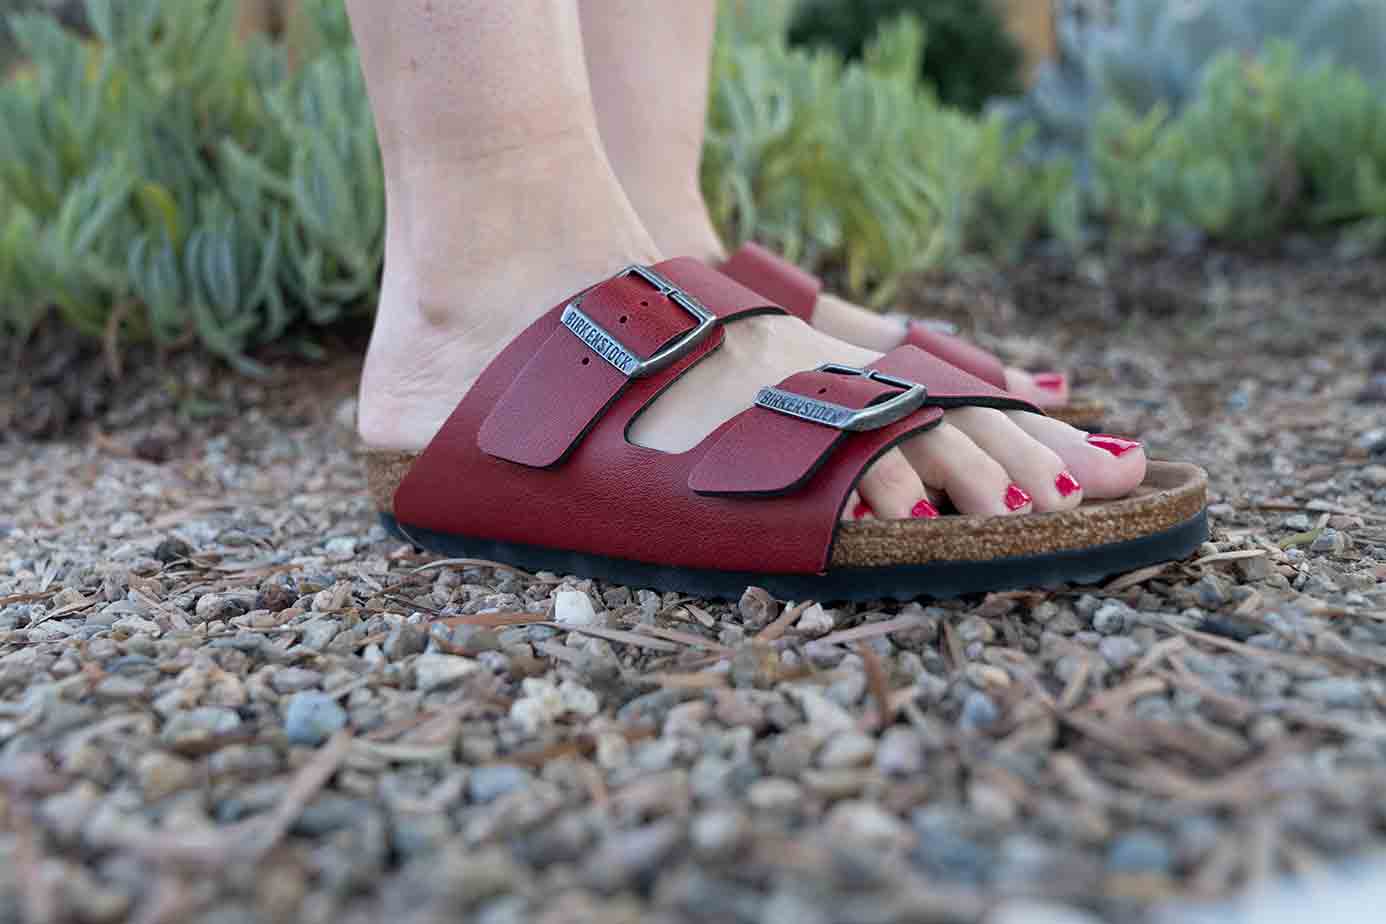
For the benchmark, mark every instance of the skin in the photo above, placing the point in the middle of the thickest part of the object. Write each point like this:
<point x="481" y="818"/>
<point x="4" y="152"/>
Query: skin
<point x="504" y="197"/>
<point x="651" y="101"/>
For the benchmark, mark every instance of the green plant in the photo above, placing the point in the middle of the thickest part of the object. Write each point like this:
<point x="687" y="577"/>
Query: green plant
<point x="858" y="168"/>
<point x="166" y="181"/>
<point x="1157" y="51"/>
<point x="1265" y="144"/>
<point x="971" y="57"/>
<point x="173" y="181"/>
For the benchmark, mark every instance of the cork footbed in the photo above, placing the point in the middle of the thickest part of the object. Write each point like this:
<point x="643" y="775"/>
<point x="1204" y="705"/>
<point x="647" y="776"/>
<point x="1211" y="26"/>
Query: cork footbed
<point x="1172" y="495"/>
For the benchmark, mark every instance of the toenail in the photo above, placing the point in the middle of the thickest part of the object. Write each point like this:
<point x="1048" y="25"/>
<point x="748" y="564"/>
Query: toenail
<point x="1050" y="381"/>
<point x="1067" y="484"/>
<point x="861" y="510"/>
<point x="1116" y="445"/>
<point x="923" y="511"/>
<point x="1016" y="497"/>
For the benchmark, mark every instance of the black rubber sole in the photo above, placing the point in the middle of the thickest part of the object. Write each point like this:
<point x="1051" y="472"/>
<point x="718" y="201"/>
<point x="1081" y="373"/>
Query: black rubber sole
<point x="936" y="580"/>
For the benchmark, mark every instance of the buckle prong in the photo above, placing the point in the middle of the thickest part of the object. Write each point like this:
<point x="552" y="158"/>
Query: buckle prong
<point x="610" y="348"/>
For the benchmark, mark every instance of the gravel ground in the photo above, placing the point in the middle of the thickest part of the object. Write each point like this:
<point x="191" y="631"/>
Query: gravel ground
<point x="226" y="696"/>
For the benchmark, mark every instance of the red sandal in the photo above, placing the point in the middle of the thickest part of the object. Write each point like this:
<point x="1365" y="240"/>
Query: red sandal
<point x="797" y="290"/>
<point x="534" y="469"/>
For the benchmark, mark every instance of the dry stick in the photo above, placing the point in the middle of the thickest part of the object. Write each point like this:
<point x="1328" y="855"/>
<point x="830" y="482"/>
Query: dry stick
<point x="777" y="628"/>
<point x="1159" y="652"/>
<point x="251" y="839"/>
<point x="871" y="630"/>
<point x="686" y="638"/>
<point x="955" y="650"/>
<point x="620" y="635"/>
<point x="700" y="680"/>
<point x="1136" y="577"/>
<point x="1238" y="555"/>
<point x="471" y="563"/>
<point x="27" y="598"/>
<point x="1076" y="684"/>
<point x="1119" y="697"/>
<point x="879" y="686"/>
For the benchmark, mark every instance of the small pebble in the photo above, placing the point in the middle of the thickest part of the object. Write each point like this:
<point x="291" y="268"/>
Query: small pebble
<point x="1140" y="852"/>
<point x="486" y="784"/>
<point x="435" y="671"/>
<point x="311" y="718"/>
<point x="774" y="795"/>
<point x="574" y="608"/>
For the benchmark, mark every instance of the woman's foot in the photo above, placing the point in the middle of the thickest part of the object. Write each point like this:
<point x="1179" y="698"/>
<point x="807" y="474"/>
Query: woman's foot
<point x="679" y="223"/>
<point x="446" y="312"/>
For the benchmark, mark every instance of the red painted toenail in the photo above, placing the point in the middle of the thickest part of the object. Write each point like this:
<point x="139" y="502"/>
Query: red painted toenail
<point x="1067" y="484"/>
<point x="1050" y="381"/>
<point x="1016" y="497"/>
<point x="1116" y="445"/>
<point x="861" y="510"/>
<point x="923" y="511"/>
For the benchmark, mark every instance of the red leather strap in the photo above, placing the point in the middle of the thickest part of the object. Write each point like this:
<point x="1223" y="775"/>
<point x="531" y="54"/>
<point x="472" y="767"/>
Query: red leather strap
<point x="797" y="291"/>
<point x="637" y="314"/>
<point x="958" y="352"/>
<point x="775" y="278"/>
<point x="606" y="496"/>
<point x="766" y="452"/>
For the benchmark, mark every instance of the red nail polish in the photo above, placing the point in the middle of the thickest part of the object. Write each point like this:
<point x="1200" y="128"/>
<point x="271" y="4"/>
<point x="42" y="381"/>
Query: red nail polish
<point x="1116" y="445"/>
<point x="1067" y="484"/>
<point x="1016" y="497"/>
<point x="860" y="510"/>
<point x="1051" y="381"/>
<point x="923" y="511"/>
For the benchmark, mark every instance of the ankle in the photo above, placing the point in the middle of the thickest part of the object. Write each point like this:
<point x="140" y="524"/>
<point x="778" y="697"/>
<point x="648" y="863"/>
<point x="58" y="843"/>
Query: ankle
<point x="677" y="218"/>
<point x="474" y="254"/>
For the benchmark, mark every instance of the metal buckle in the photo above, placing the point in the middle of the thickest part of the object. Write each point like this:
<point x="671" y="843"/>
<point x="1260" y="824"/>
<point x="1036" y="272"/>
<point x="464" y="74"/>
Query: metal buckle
<point x="609" y="347"/>
<point x="911" y="398"/>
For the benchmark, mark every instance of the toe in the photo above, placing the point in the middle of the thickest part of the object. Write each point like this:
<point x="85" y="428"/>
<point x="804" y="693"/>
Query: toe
<point x="1038" y="470"/>
<point x="948" y="460"/>
<point x="856" y="509"/>
<point x="1107" y="466"/>
<point x="1045" y="389"/>
<point x="893" y="489"/>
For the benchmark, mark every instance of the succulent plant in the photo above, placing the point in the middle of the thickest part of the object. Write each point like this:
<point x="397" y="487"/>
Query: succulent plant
<point x="1156" y="52"/>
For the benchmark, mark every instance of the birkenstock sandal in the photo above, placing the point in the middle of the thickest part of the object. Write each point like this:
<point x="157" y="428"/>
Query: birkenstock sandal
<point x="534" y="468"/>
<point x="797" y="290"/>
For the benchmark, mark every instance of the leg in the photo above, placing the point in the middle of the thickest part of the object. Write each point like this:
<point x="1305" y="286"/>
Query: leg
<point x="648" y="64"/>
<point x="502" y="202"/>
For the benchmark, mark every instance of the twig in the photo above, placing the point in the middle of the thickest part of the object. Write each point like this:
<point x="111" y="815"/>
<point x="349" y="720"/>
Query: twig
<point x="877" y="683"/>
<point x="685" y="638"/>
<point x="620" y="635"/>
<point x="777" y="628"/>
<point x="871" y="630"/>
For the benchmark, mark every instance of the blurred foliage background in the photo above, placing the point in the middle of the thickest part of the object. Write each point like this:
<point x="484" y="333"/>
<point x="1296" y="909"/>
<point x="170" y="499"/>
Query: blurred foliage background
<point x="162" y="178"/>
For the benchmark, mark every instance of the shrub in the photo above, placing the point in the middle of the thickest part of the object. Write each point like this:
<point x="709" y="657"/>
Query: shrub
<point x="172" y="181"/>
<point x="971" y="57"/>
<point x="1158" y="51"/>
<point x="1265" y="144"/>
<point x="167" y="181"/>
<point x="857" y="167"/>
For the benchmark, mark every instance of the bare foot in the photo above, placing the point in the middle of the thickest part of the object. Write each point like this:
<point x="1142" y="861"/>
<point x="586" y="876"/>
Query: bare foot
<point x="559" y="222"/>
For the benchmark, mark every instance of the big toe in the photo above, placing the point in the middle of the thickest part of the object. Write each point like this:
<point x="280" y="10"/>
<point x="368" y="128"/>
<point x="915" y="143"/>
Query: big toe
<point x="1107" y="466"/>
